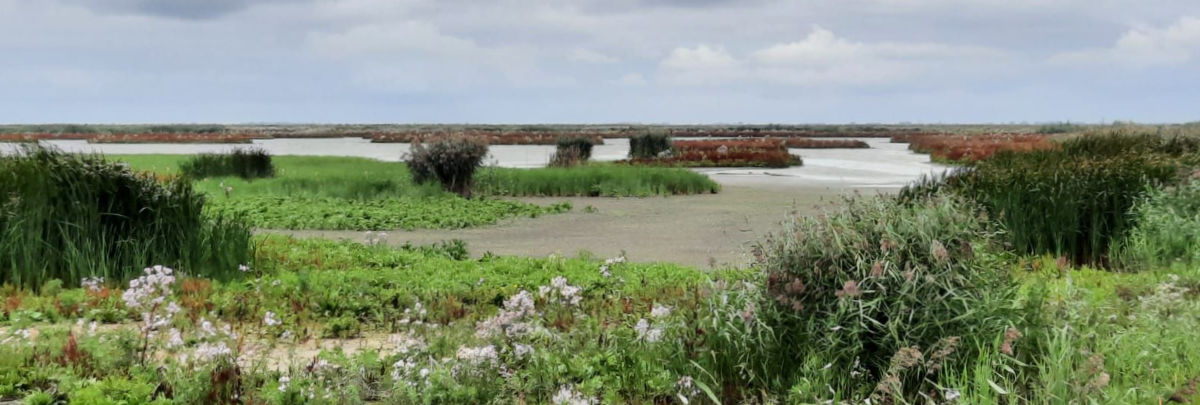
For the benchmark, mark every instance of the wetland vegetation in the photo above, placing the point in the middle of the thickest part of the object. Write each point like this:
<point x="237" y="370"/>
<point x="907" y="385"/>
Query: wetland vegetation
<point x="1059" y="275"/>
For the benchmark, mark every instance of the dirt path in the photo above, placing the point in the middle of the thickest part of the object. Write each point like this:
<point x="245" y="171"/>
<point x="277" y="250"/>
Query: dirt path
<point x="699" y="230"/>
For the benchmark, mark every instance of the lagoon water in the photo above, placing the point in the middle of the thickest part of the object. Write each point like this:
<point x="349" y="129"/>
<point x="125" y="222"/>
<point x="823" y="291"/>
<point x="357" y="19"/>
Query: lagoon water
<point x="884" y="165"/>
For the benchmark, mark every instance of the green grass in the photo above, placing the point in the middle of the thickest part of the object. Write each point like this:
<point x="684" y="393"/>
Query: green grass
<point x="365" y="194"/>
<point x="596" y="179"/>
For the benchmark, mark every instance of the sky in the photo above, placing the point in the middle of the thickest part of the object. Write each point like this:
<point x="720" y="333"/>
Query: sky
<point x="599" y="61"/>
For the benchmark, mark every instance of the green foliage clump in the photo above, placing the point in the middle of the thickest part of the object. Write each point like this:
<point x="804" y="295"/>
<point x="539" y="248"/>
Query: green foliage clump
<point x="595" y="180"/>
<point x="1167" y="230"/>
<point x="68" y="216"/>
<point x="877" y="282"/>
<point x="451" y="161"/>
<point x="341" y="328"/>
<point x="244" y="163"/>
<point x="648" y="146"/>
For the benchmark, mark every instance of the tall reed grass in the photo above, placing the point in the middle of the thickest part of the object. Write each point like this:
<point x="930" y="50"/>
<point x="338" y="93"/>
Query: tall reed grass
<point x="244" y="163"/>
<point x="648" y="146"/>
<point x="1074" y="200"/>
<point x="67" y="217"/>
<point x="897" y="294"/>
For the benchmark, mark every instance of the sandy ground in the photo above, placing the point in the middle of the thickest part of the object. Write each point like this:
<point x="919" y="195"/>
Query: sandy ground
<point x="699" y="230"/>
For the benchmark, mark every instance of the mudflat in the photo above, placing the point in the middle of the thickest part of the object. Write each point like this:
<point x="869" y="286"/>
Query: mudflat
<point x="698" y="230"/>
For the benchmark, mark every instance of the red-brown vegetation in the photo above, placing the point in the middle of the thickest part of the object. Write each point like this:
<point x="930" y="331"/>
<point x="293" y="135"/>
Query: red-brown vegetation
<point x="969" y="148"/>
<point x="743" y="133"/>
<point x="171" y="138"/>
<point x="727" y="153"/>
<point x="492" y="138"/>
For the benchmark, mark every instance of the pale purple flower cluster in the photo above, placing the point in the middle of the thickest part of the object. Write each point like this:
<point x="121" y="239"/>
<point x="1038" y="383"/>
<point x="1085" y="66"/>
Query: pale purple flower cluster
<point x="522" y="350"/>
<point x="92" y="283"/>
<point x="605" y="269"/>
<point x="660" y="311"/>
<point x="687" y="389"/>
<point x="512" y="320"/>
<point x="151" y="289"/>
<point x="568" y="396"/>
<point x="206" y="352"/>
<point x="561" y="292"/>
<point x="270" y="320"/>
<point x="410" y="367"/>
<point x="174" y="338"/>
<point x="284" y="382"/>
<point x="213" y="342"/>
<point x="414" y="315"/>
<point x="646" y="332"/>
<point x="479" y="356"/>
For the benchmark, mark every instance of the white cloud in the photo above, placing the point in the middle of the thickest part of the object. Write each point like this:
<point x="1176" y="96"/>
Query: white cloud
<point x="822" y="58"/>
<point x="589" y="56"/>
<point x="400" y="37"/>
<point x="417" y="56"/>
<point x="1173" y="45"/>
<point x="701" y="65"/>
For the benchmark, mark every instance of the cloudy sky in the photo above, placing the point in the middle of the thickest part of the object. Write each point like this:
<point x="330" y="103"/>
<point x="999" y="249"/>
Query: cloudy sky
<point x="594" y="61"/>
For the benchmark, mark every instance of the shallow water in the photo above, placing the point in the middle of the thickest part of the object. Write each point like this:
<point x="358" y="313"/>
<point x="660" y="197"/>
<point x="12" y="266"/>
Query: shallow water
<point x="884" y="165"/>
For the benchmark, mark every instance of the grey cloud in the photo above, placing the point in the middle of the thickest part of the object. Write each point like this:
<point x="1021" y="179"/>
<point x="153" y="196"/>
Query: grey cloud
<point x="181" y="9"/>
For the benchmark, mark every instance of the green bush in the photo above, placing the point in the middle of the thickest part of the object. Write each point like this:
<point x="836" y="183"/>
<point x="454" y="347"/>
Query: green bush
<point x="874" y="280"/>
<point x="1059" y="128"/>
<point x="648" y="146"/>
<point x="582" y="145"/>
<point x="450" y="161"/>
<point x="244" y="163"/>
<point x="68" y="216"/>
<point x="1167" y="230"/>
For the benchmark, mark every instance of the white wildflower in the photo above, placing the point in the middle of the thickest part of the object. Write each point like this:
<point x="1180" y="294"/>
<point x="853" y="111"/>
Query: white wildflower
<point x="687" y="389"/>
<point x="175" y="339"/>
<point x="478" y="356"/>
<point x="92" y="283"/>
<point x="568" y="396"/>
<point x="646" y="332"/>
<point x="521" y="350"/>
<point x="243" y="268"/>
<point x="283" y="383"/>
<point x="270" y="319"/>
<point x="660" y="311"/>
<point x="209" y="351"/>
